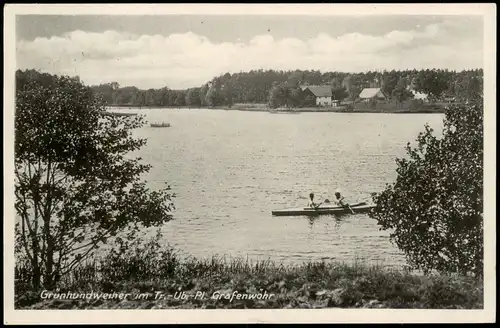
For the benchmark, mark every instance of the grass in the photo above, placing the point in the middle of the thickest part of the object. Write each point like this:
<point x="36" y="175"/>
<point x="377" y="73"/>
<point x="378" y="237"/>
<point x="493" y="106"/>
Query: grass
<point x="152" y="270"/>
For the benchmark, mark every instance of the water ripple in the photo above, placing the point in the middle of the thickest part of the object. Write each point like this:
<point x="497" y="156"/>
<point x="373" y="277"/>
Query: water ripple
<point x="230" y="169"/>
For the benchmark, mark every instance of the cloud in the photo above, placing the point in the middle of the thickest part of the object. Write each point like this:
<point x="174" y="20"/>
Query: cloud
<point x="185" y="60"/>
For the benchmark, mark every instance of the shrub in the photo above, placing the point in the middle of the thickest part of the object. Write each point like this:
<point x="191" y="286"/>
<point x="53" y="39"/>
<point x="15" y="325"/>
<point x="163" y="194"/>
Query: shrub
<point x="435" y="207"/>
<point x="139" y="260"/>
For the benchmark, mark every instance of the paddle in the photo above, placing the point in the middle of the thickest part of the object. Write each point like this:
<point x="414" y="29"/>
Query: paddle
<point x="349" y="207"/>
<point x="316" y="206"/>
<point x="346" y="205"/>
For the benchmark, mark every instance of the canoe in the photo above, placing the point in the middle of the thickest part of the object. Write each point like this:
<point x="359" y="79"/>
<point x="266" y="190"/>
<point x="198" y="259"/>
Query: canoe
<point x="160" y="125"/>
<point x="324" y="209"/>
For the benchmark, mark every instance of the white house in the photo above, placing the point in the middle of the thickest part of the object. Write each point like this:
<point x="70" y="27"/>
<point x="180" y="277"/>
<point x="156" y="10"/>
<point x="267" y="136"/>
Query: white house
<point x="418" y="95"/>
<point x="323" y="94"/>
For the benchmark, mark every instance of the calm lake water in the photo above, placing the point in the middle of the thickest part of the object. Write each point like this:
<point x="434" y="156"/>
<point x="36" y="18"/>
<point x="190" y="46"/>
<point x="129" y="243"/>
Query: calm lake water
<point x="229" y="169"/>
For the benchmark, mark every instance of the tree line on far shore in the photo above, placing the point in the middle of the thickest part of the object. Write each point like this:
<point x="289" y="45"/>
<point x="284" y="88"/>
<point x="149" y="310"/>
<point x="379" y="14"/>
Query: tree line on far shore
<point x="283" y="87"/>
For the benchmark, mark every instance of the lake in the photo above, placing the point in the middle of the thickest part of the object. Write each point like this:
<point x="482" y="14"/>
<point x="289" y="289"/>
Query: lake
<point x="230" y="169"/>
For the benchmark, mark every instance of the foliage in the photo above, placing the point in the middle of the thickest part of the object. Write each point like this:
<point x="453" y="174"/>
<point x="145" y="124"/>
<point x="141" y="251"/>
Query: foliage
<point x="401" y="93"/>
<point x="203" y="95"/>
<point x="435" y="207"/>
<point x="212" y="97"/>
<point x="180" y="99"/>
<point x="148" y="268"/>
<point x="193" y="98"/>
<point x="275" y="96"/>
<point x="468" y="87"/>
<point x="138" y="260"/>
<point x="339" y="93"/>
<point x="389" y="82"/>
<point x="353" y="84"/>
<point x="290" y="95"/>
<point x="76" y="184"/>
<point x="433" y="82"/>
<point x="256" y="86"/>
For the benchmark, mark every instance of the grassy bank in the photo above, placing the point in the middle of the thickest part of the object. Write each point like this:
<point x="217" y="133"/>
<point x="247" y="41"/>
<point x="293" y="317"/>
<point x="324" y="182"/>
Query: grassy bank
<point x="160" y="277"/>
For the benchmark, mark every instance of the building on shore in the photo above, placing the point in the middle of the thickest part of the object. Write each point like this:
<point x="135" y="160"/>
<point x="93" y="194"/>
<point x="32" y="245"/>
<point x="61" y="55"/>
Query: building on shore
<point x="372" y="93"/>
<point x="420" y="96"/>
<point x="322" y="94"/>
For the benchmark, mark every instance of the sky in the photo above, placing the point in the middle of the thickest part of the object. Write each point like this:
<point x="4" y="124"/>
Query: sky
<point x="182" y="51"/>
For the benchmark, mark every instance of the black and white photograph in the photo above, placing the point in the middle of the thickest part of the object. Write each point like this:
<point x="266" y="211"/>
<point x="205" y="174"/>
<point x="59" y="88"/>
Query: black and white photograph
<point x="249" y="163"/>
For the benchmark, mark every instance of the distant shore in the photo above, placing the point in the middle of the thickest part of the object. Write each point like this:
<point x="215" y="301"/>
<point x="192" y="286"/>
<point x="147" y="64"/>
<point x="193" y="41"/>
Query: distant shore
<point x="332" y="110"/>
<point x="436" y="110"/>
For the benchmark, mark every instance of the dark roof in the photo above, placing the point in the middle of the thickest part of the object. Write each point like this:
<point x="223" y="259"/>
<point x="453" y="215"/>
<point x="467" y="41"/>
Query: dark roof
<point x="321" y="91"/>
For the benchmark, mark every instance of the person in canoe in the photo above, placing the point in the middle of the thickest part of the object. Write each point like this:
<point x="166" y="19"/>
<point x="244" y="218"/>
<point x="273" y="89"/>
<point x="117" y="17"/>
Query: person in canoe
<point x="340" y="201"/>
<point x="312" y="204"/>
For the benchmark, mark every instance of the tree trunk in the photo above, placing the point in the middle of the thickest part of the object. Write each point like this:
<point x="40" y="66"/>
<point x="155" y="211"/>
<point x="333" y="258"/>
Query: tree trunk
<point x="49" y="262"/>
<point x="36" y="278"/>
<point x="37" y="274"/>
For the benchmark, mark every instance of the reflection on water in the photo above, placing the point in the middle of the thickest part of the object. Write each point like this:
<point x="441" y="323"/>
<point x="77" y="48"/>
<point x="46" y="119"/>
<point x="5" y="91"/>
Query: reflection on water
<point x="331" y="226"/>
<point x="230" y="169"/>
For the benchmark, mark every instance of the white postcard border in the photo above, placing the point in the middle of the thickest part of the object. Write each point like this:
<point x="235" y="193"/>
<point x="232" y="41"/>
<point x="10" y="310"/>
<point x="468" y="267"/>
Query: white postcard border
<point x="488" y="11"/>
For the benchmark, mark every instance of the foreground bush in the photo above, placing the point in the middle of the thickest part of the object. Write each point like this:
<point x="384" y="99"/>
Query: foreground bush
<point x="75" y="184"/>
<point x="435" y="207"/>
<point x="150" y="269"/>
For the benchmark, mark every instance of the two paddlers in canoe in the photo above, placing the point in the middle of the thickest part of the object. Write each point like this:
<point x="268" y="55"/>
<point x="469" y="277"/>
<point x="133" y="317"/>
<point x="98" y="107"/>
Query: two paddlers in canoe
<point x="339" y="201"/>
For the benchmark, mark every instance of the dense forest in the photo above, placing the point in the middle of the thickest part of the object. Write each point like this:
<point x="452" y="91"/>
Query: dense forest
<point x="279" y="88"/>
